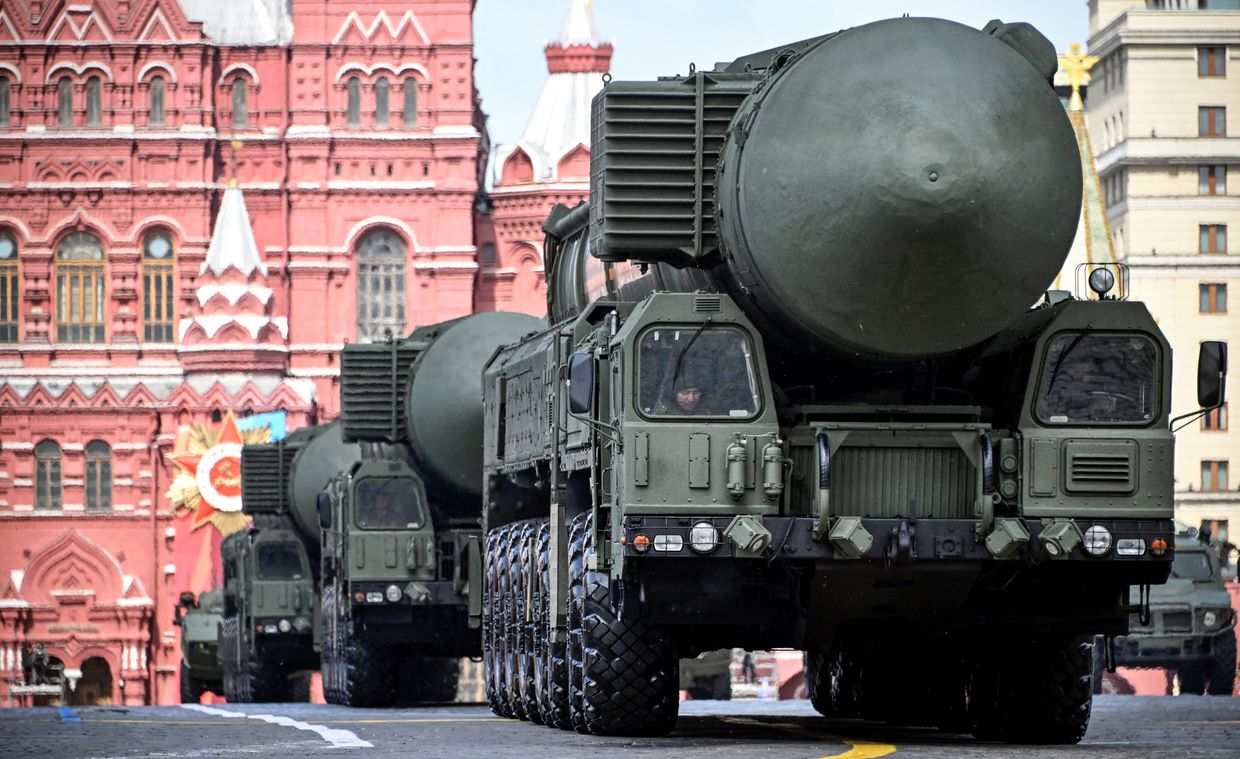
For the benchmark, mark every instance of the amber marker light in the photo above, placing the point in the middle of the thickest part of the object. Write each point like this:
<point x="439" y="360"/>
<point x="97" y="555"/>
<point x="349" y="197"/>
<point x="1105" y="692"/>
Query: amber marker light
<point x="1158" y="547"/>
<point x="641" y="543"/>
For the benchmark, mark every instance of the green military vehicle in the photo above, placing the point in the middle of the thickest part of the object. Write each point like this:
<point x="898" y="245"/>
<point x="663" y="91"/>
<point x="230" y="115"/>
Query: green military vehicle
<point x="795" y="395"/>
<point x="200" y="620"/>
<point x="380" y="514"/>
<point x="271" y="571"/>
<point x="402" y="530"/>
<point x="1190" y="627"/>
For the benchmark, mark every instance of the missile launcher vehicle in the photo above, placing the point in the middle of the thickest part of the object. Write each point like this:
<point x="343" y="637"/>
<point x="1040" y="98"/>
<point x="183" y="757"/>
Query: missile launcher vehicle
<point x="805" y="387"/>
<point x="375" y="520"/>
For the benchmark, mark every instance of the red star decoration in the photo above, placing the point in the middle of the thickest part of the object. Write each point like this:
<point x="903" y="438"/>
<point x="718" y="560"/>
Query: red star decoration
<point x="226" y="433"/>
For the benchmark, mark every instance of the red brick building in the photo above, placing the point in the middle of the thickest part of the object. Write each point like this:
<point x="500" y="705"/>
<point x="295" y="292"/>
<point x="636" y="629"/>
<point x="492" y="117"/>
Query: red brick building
<point x="139" y="294"/>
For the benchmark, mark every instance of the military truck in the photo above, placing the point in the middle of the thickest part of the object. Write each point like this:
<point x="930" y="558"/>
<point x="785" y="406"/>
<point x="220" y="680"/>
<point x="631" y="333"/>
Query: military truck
<point x="200" y="619"/>
<point x="795" y="395"/>
<point x="1190" y="627"/>
<point x="402" y="531"/>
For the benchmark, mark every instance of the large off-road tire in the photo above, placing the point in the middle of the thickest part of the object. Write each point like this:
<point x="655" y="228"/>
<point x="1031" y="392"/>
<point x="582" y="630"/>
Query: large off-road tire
<point x="1223" y="665"/>
<point x="249" y="676"/>
<point x="191" y="687"/>
<point x="329" y="653"/>
<point x="629" y="672"/>
<point x="430" y="681"/>
<point x="576" y="604"/>
<point x="1043" y="695"/>
<point x="524" y="583"/>
<point x="1192" y="679"/>
<point x="504" y="621"/>
<point x="552" y="687"/>
<point x="369" y="677"/>
<point x="519" y="647"/>
<point x="492" y="634"/>
<point x="299" y="687"/>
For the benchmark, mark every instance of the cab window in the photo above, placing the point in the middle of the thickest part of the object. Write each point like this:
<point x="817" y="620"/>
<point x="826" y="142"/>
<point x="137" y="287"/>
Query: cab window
<point x="1098" y="378"/>
<point x="697" y="372"/>
<point x="387" y="504"/>
<point x="1191" y="565"/>
<point x="279" y="561"/>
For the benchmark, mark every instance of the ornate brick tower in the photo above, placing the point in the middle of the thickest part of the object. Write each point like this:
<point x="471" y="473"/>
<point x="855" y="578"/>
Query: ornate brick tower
<point x="549" y="165"/>
<point x="140" y="294"/>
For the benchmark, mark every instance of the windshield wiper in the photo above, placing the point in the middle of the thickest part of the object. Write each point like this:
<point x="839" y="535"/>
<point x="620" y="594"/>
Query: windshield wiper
<point x="685" y="350"/>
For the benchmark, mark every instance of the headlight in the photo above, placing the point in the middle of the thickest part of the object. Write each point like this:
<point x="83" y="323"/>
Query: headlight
<point x="1209" y="619"/>
<point x="393" y="593"/>
<point x="703" y="537"/>
<point x="374" y="597"/>
<point x="1098" y="538"/>
<point x="1101" y="281"/>
<point x="285" y="626"/>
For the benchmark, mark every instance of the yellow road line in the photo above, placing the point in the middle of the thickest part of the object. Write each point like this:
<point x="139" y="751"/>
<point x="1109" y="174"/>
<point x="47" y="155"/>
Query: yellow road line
<point x="863" y="750"/>
<point x="857" y="749"/>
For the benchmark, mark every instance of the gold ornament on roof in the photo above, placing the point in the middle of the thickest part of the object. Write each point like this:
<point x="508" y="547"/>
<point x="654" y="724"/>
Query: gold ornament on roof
<point x="1076" y="65"/>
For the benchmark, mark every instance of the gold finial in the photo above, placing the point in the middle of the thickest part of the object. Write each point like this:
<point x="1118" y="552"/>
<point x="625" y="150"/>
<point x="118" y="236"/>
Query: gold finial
<point x="1076" y="66"/>
<point x="232" y="161"/>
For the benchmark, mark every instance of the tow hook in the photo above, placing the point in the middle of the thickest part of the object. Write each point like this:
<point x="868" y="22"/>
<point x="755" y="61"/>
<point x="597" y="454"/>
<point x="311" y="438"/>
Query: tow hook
<point x="901" y="547"/>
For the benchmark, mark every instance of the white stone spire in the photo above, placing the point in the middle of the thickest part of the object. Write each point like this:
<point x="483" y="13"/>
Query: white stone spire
<point x="576" y="63"/>
<point x="578" y="28"/>
<point x="232" y="242"/>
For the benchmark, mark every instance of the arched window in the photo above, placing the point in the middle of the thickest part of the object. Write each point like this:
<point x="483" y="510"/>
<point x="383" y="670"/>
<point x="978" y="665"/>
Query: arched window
<point x="64" y="102"/>
<point x="5" y="114"/>
<point x="382" y="112"/>
<point x="380" y="286"/>
<point x="157" y="101"/>
<point x="411" y="102"/>
<point x="354" y="89"/>
<point x="240" y="108"/>
<point x="47" y="475"/>
<point x="8" y="287"/>
<point x="157" y="288"/>
<point x="98" y="476"/>
<point x="80" y="289"/>
<point x="94" y="89"/>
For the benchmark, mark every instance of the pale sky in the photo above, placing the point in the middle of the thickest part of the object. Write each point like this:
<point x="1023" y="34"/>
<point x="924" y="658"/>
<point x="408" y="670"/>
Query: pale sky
<point x="661" y="37"/>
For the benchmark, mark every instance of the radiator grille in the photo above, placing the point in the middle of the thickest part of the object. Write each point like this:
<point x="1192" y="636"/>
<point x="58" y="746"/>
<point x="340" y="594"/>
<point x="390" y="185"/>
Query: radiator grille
<point x="884" y="482"/>
<point x="1177" y="621"/>
<point x="373" y="380"/>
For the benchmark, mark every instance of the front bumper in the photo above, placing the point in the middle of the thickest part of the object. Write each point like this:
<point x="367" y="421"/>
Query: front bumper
<point x="792" y="539"/>
<point x="1164" y="650"/>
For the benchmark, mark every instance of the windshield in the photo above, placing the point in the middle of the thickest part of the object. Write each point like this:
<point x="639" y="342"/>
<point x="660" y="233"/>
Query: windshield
<point x="279" y="561"/>
<point x="1191" y="565"/>
<point x="1099" y="378"/>
<point x="387" y="504"/>
<point x="697" y="371"/>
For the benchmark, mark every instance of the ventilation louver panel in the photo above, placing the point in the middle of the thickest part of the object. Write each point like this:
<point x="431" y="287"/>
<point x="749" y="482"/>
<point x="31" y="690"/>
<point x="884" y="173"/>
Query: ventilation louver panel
<point x="654" y="153"/>
<point x="1101" y="466"/>
<point x="264" y="478"/>
<point x="373" y="381"/>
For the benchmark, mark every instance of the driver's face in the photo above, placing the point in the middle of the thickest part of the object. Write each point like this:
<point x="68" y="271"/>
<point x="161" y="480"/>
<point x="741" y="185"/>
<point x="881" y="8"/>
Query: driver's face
<point x="688" y="398"/>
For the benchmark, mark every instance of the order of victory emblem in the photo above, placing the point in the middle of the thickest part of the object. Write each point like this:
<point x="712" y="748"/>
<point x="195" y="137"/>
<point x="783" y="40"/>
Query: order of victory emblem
<point x="207" y="485"/>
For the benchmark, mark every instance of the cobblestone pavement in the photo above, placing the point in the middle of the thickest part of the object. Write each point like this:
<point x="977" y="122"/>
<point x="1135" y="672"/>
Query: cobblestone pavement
<point x="1127" y="726"/>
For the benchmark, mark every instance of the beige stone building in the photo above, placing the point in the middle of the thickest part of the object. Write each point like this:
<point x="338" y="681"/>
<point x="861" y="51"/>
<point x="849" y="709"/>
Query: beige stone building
<point x="1164" y="89"/>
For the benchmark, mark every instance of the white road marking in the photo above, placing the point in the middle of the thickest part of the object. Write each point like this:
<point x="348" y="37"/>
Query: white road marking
<point x="338" y="737"/>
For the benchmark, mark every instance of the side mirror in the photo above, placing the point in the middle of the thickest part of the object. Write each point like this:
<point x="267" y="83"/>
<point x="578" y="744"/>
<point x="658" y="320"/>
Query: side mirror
<point x="324" y="507"/>
<point x="1212" y="374"/>
<point x="580" y="383"/>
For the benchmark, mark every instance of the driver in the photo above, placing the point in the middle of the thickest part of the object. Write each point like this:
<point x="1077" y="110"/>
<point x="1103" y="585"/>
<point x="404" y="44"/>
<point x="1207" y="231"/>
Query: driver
<point x="688" y="389"/>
